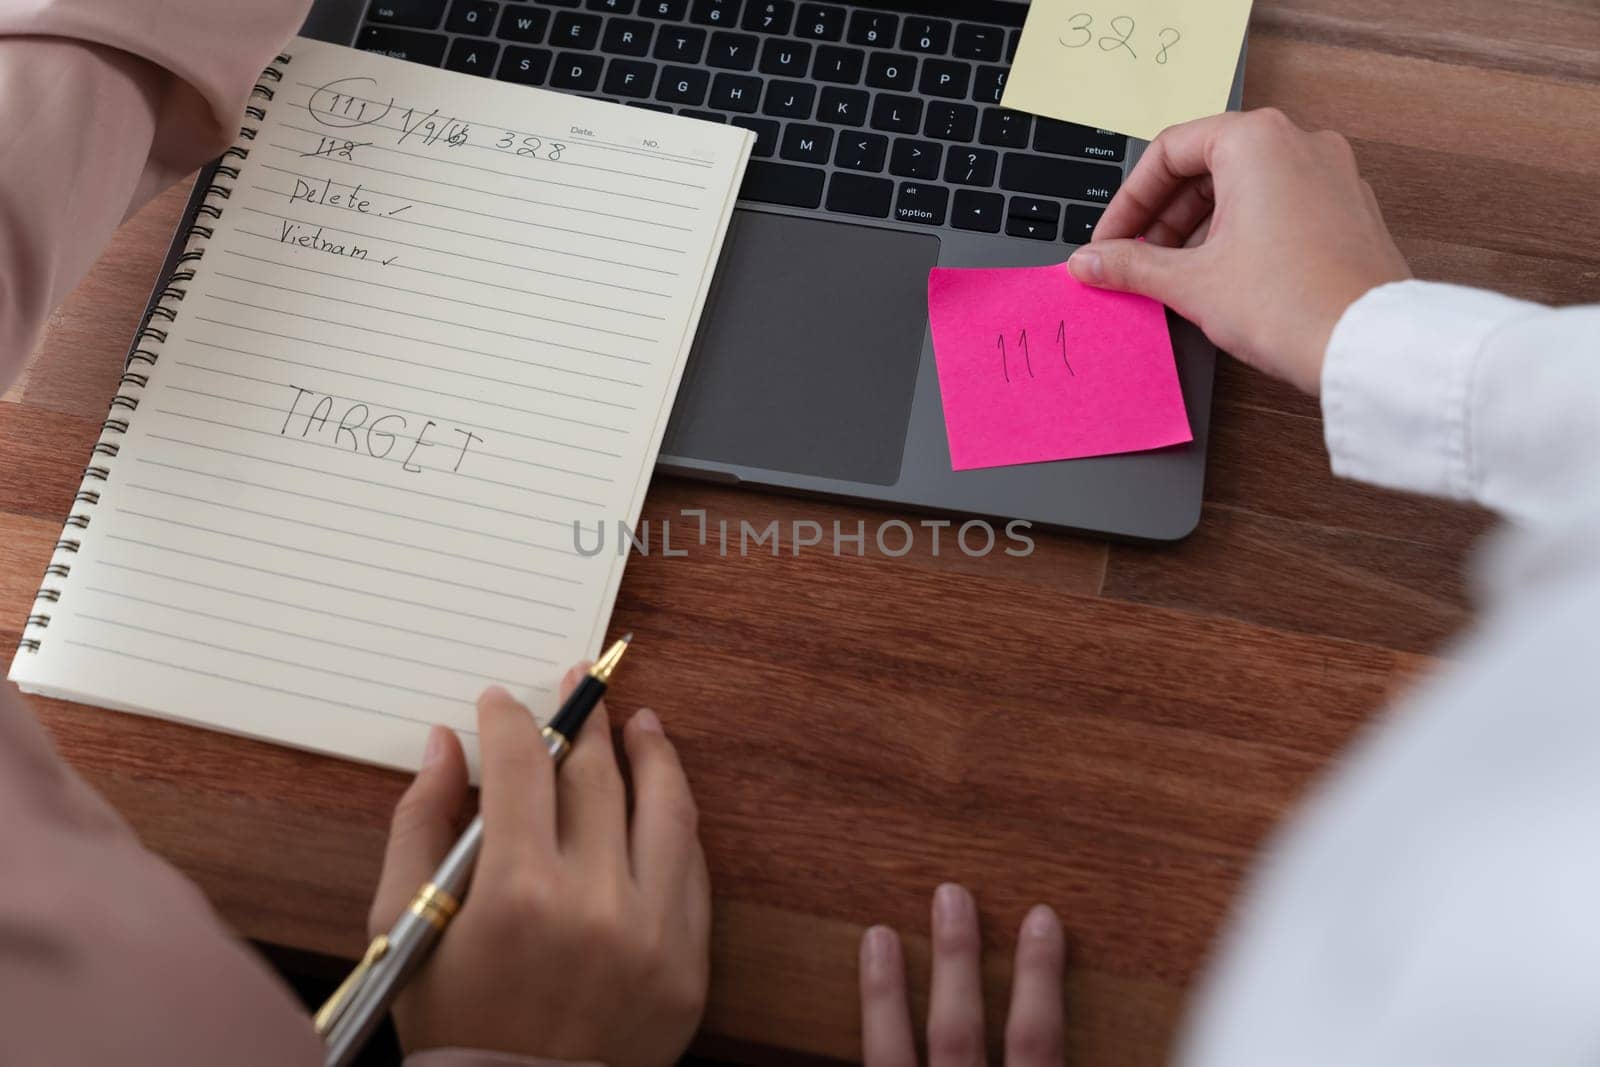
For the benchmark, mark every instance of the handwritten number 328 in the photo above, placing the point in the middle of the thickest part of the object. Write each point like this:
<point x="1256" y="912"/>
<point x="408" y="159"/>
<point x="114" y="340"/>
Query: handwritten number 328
<point x="1027" y="353"/>
<point x="1080" y="33"/>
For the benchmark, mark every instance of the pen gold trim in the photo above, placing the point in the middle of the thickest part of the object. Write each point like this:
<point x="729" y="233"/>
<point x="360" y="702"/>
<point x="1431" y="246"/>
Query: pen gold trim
<point x="350" y="1015"/>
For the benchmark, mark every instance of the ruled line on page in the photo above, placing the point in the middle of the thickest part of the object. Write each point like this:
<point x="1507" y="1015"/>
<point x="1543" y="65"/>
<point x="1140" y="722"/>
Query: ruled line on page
<point x="592" y="142"/>
<point x="430" y="344"/>
<point x="264" y="688"/>
<point x="357" y="507"/>
<point x="343" y="616"/>
<point x="268" y="542"/>
<point x="318" y="179"/>
<point x="539" y="179"/>
<point x="353" y="478"/>
<point x="297" y="635"/>
<point x="288" y="576"/>
<point x="477" y="191"/>
<point x="432" y="296"/>
<point x="363" y="234"/>
<point x="431" y="550"/>
<point x="392" y="265"/>
<point x="324" y="445"/>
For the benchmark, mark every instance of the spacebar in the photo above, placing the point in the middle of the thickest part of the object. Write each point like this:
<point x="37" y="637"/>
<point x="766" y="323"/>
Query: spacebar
<point x="776" y="183"/>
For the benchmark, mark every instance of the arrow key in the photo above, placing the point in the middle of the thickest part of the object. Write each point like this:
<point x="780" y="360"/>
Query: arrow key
<point x="978" y="211"/>
<point x="1037" y="229"/>
<point x="1027" y="207"/>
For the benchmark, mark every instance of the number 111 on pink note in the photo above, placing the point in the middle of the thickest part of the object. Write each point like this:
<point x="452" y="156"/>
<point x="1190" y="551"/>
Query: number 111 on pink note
<point x="1027" y="355"/>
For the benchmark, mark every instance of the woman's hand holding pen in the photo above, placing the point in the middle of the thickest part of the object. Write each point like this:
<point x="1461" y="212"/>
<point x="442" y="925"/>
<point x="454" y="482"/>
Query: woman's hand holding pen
<point x="582" y="937"/>
<point x="1258" y="232"/>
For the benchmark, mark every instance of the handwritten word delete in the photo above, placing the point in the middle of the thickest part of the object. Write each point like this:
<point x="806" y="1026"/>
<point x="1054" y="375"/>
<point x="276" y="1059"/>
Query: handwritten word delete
<point x="1034" y="366"/>
<point x="1133" y="66"/>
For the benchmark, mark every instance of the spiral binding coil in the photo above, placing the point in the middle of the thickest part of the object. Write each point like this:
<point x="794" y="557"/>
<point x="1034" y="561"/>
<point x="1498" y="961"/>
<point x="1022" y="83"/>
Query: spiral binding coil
<point x="146" y="352"/>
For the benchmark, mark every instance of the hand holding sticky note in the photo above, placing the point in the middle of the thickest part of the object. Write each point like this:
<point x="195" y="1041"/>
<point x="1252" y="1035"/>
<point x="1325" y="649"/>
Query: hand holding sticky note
<point x="1035" y="366"/>
<point x="1132" y="66"/>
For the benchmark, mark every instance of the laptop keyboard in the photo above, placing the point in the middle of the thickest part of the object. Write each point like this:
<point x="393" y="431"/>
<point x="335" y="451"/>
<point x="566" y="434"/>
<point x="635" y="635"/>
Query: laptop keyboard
<point x="857" y="111"/>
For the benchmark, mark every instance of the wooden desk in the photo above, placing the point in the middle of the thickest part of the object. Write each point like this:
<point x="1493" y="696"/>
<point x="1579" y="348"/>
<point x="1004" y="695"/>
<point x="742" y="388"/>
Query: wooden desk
<point x="1110" y="729"/>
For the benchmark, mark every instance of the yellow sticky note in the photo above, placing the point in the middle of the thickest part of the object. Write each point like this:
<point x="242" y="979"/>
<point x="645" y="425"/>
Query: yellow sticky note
<point x="1132" y="66"/>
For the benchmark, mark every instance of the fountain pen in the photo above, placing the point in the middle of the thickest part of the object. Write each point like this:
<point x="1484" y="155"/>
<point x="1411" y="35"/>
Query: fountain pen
<point x="350" y="1016"/>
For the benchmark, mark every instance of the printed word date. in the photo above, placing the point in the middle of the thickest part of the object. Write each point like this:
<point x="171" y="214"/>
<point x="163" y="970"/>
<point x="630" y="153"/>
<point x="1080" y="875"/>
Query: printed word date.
<point x="362" y="430"/>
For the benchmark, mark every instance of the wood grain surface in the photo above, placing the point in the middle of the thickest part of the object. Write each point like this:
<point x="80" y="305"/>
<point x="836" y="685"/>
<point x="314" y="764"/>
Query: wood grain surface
<point x="1111" y="729"/>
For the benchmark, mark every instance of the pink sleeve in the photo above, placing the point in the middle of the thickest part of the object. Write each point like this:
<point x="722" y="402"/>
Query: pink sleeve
<point x="102" y="104"/>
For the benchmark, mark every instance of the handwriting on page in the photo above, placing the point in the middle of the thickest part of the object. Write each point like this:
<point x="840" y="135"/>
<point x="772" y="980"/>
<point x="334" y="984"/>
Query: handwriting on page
<point x="368" y="432"/>
<point x="1133" y="66"/>
<point x="1034" y="366"/>
<point x="356" y="103"/>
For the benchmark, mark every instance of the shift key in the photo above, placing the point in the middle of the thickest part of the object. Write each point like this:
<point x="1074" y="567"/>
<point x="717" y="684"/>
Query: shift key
<point x="1066" y="179"/>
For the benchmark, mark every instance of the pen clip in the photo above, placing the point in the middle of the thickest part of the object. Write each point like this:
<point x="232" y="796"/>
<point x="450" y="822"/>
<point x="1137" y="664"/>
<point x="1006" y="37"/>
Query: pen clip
<point x="329" y="1014"/>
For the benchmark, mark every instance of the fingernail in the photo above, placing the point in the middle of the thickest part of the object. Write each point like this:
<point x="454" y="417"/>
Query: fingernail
<point x="433" y="751"/>
<point x="876" y="945"/>
<point x="1085" y="265"/>
<point x="647" y="720"/>
<point x="951" y="903"/>
<point x="1041" y="922"/>
<point x="496" y="692"/>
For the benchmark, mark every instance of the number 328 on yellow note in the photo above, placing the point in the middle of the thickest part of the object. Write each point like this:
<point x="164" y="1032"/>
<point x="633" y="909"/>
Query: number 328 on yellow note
<point x="1133" y="66"/>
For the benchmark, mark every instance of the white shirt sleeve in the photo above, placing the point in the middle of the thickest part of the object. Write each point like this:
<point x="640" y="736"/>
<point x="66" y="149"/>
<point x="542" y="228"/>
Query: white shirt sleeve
<point x="1438" y="901"/>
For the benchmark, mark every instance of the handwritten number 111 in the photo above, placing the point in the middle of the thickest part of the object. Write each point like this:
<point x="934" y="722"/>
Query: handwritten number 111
<point x="1080" y="32"/>
<point x="1027" y="354"/>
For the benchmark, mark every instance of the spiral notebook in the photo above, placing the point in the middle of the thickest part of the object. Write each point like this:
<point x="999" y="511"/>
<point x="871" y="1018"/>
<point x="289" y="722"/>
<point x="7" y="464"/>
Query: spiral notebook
<point x="421" y="326"/>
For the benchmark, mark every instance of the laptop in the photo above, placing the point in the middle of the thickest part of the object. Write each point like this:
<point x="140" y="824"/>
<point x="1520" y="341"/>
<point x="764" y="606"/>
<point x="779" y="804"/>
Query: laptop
<point x="881" y="152"/>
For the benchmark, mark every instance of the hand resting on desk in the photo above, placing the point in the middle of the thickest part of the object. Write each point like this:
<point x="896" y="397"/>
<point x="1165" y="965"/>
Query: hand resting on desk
<point x="582" y="937"/>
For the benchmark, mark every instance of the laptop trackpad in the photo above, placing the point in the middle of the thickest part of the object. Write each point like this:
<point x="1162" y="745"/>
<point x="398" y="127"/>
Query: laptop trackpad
<point x="808" y="352"/>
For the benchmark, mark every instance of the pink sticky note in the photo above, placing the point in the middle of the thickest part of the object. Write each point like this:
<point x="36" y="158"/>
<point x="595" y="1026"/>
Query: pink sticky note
<point x="1035" y="366"/>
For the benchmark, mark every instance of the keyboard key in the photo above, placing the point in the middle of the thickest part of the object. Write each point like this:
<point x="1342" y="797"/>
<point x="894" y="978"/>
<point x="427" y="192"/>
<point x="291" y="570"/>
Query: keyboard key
<point x="990" y="84"/>
<point x="715" y="12"/>
<point x="951" y="122"/>
<point x="915" y="159"/>
<point x="1080" y="223"/>
<point x="897" y="114"/>
<point x="611" y="7"/>
<point x="862" y="151"/>
<point x="766" y="134"/>
<point x="929" y="37"/>
<point x="976" y="211"/>
<point x="645" y="105"/>
<point x="414" y="45"/>
<point x="790" y="100"/>
<point x="843" y="107"/>
<point x="885" y="71"/>
<point x="421" y="14"/>
<point x="873" y="28"/>
<point x="1070" y="139"/>
<point x="1011" y="46"/>
<point x="671" y="10"/>
<point x="778" y="183"/>
<point x="972" y="166"/>
<point x="735" y="92"/>
<point x="732" y="51"/>
<point x="789" y="58"/>
<point x="627" y="37"/>
<point x="775" y="16"/>
<point x="573" y="30"/>
<point x="680" y="44"/>
<point x="524" y="24"/>
<point x="941" y="77"/>
<point x="560" y="3"/>
<point x="854" y="194"/>
<point x="1005" y="129"/>
<point x="1029" y="208"/>
<point x="820" y="22"/>
<point x="1035" y="229"/>
<point x="472" y="57"/>
<point x="841" y="66"/>
<point x="806" y="144"/>
<point x="986" y="43"/>
<point x="704" y="116"/>
<point x="526" y="66"/>
<point x="1067" y="179"/>
<point x="924" y="204"/>
<point x="474" y="17"/>
<point x="683" y="85"/>
<point x="576" y="73"/>
<point x="630" y="77"/>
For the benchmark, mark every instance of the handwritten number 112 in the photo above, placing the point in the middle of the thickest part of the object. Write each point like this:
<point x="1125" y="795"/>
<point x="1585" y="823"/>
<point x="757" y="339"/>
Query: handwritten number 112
<point x="1027" y="354"/>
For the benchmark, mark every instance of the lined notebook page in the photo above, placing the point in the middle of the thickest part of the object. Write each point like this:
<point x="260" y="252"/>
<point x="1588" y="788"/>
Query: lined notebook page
<point x="439" y="321"/>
